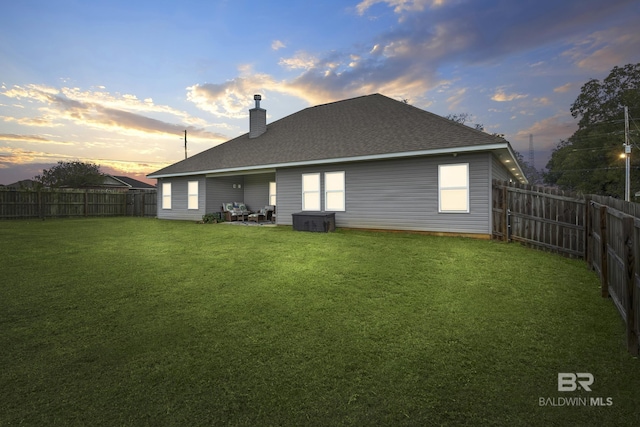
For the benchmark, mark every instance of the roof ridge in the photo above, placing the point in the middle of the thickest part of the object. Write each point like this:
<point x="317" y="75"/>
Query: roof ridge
<point x="343" y="100"/>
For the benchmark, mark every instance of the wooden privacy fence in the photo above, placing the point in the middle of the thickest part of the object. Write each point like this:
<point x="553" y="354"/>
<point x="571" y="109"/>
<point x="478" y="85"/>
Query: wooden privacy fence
<point x="50" y="203"/>
<point x="539" y="216"/>
<point x="614" y="245"/>
<point x="603" y="231"/>
<point x="142" y="203"/>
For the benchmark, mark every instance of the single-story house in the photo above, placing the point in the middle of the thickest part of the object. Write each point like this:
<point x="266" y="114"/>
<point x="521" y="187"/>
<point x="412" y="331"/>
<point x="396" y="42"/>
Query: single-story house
<point x="376" y="162"/>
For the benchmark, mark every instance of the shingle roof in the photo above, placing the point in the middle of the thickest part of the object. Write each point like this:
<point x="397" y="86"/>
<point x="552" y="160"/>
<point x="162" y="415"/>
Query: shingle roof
<point x="134" y="183"/>
<point x="365" y="126"/>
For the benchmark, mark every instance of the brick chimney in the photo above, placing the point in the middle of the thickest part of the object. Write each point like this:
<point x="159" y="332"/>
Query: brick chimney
<point x="257" y="119"/>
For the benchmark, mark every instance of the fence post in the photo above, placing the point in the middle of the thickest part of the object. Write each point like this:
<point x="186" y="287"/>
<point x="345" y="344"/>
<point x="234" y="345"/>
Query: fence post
<point x="604" y="270"/>
<point x="587" y="230"/>
<point x="628" y="228"/>
<point x="86" y="203"/>
<point x="505" y="208"/>
<point x="40" y="214"/>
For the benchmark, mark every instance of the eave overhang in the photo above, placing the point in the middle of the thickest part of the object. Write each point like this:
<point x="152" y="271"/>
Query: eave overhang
<point x="502" y="151"/>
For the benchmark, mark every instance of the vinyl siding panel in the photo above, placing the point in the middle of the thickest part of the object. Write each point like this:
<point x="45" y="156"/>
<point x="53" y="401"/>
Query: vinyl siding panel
<point x="256" y="190"/>
<point x="179" y="197"/>
<point x="396" y="194"/>
<point x="499" y="171"/>
<point x="220" y="190"/>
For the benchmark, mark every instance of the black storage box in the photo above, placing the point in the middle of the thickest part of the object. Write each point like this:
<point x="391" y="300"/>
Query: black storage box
<point x="314" y="221"/>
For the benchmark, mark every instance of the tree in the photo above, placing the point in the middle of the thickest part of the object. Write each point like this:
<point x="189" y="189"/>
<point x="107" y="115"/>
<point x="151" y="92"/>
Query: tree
<point x="463" y="118"/>
<point x="74" y="174"/>
<point x="589" y="161"/>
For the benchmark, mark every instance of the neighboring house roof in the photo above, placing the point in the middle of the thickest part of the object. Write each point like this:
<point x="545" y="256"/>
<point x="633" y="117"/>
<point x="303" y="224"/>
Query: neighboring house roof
<point x="364" y="128"/>
<point x="132" y="183"/>
<point x="25" y="183"/>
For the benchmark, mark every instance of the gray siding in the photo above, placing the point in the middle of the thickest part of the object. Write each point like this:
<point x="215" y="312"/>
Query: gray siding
<point x="179" y="190"/>
<point x="220" y="190"/>
<point x="399" y="194"/>
<point x="256" y="190"/>
<point x="498" y="170"/>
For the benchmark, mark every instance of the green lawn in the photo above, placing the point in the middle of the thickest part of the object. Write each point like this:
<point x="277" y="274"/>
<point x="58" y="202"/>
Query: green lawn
<point x="126" y="321"/>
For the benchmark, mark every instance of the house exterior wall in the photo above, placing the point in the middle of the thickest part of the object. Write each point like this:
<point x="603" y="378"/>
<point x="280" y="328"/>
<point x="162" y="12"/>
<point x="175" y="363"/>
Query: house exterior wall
<point x="256" y="190"/>
<point x="179" y="197"/>
<point x="498" y="171"/>
<point x="398" y="194"/>
<point x="221" y="190"/>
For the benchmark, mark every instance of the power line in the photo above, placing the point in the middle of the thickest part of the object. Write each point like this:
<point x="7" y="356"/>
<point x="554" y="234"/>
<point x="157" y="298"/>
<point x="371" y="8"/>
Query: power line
<point x="591" y="149"/>
<point x="593" y="169"/>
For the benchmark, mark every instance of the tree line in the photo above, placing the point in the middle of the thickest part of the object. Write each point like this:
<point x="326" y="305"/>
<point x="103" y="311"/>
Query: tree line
<point x="590" y="160"/>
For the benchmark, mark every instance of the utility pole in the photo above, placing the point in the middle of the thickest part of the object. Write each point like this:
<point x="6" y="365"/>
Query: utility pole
<point x="185" y="144"/>
<point x="627" y="155"/>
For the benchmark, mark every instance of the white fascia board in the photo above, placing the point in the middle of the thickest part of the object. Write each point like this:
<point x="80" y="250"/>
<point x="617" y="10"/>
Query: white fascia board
<point x="524" y="177"/>
<point x="509" y="161"/>
<point x="270" y="167"/>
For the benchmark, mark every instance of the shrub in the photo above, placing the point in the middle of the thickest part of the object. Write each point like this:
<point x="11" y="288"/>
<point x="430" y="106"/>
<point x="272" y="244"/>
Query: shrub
<point x="212" y="218"/>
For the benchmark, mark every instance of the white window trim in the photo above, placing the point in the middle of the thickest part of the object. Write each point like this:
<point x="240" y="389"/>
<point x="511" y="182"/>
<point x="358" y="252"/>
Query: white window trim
<point x="311" y="192"/>
<point x="444" y="188"/>
<point x="333" y="191"/>
<point x="166" y="195"/>
<point x="273" y="195"/>
<point x="192" y="197"/>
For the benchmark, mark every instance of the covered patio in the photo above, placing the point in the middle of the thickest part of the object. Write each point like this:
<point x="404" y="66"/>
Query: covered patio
<point x="243" y="198"/>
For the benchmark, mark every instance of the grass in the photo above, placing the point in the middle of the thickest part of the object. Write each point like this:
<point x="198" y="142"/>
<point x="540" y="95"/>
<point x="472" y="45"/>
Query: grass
<point x="124" y="321"/>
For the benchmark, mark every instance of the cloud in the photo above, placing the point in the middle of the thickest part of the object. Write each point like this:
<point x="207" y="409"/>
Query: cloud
<point x="102" y="110"/>
<point x="31" y="138"/>
<point x="564" y="88"/>
<point x="399" y="6"/>
<point x="549" y="131"/>
<point x="277" y="45"/>
<point x="544" y="101"/>
<point x="41" y="121"/>
<point x="405" y="62"/>
<point x="13" y="155"/>
<point x="301" y="60"/>
<point x="17" y="159"/>
<point x="455" y="99"/>
<point x="501" y="96"/>
<point x="229" y="99"/>
<point x="599" y="50"/>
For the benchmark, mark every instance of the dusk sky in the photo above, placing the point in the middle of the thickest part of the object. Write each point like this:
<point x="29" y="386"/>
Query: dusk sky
<point x="117" y="82"/>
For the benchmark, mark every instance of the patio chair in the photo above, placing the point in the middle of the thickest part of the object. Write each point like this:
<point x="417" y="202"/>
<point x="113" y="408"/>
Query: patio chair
<point x="241" y="210"/>
<point x="270" y="212"/>
<point x="234" y="211"/>
<point x="229" y="213"/>
<point x="263" y="214"/>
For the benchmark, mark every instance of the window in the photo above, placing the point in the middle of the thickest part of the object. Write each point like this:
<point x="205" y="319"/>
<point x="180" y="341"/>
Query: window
<point x="334" y="191"/>
<point x="272" y="193"/>
<point x="311" y="192"/>
<point x="453" y="188"/>
<point x="166" y="195"/>
<point x="192" y="196"/>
